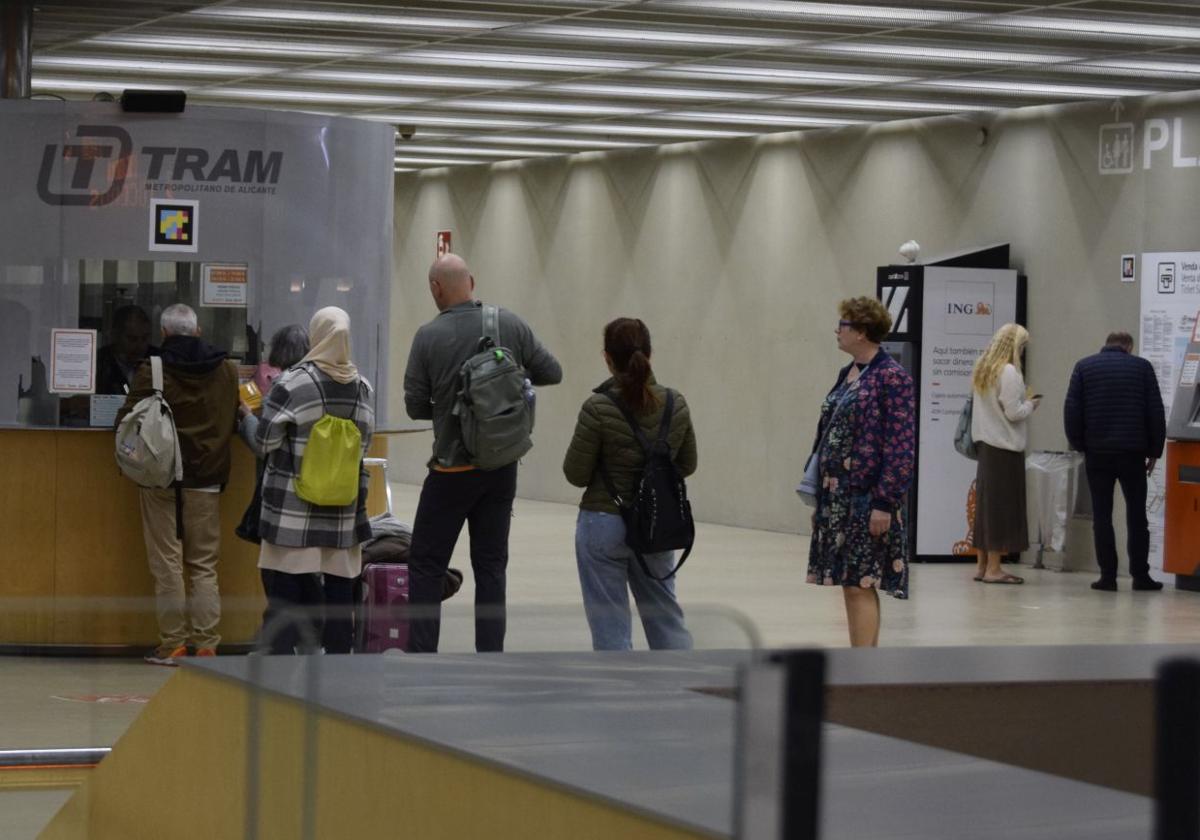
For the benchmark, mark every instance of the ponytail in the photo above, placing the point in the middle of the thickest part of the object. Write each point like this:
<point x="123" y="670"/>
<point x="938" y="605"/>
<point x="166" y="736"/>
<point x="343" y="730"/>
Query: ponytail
<point x="627" y="343"/>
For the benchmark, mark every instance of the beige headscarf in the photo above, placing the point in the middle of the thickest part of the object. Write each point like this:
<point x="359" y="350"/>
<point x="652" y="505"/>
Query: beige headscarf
<point x="329" y="337"/>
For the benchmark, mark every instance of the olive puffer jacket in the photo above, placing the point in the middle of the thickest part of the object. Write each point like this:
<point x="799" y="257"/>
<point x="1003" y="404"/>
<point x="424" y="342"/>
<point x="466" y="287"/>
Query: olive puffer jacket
<point x="603" y="432"/>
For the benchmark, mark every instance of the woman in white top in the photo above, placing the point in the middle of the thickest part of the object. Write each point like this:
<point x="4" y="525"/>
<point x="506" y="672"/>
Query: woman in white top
<point x="998" y="426"/>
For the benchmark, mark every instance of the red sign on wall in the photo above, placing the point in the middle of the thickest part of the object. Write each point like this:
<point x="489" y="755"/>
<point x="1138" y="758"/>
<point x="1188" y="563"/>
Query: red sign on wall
<point x="443" y="243"/>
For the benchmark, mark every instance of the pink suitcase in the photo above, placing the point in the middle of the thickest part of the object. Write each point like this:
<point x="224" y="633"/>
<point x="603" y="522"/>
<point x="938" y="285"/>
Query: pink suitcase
<point x="383" y="621"/>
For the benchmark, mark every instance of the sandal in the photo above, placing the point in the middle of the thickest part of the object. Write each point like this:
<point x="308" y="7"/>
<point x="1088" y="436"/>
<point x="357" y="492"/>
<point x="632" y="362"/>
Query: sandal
<point x="978" y="578"/>
<point x="1006" y="578"/>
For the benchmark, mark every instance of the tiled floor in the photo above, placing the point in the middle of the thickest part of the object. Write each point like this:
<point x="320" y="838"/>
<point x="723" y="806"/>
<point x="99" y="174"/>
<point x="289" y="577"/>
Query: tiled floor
<point x="739" y="586"/>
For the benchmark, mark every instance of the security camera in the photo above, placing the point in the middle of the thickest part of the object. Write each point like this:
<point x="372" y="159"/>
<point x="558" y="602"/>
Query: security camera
<point x="406" y="131"/>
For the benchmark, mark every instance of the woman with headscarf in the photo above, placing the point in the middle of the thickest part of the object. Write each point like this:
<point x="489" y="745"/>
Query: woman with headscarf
<point x="300" y="538"/>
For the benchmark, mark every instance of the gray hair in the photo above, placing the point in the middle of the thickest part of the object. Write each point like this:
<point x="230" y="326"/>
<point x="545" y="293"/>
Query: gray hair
<point x="179" y="319"/>
<point x="288" y="346"/>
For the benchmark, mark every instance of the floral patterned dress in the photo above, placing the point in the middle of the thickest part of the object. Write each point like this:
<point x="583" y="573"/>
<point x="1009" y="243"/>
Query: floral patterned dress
<point x="857" y="441"/>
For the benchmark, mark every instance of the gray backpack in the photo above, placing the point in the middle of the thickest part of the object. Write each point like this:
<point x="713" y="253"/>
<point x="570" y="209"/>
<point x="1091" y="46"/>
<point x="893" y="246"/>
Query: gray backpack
<point x="494" y="404"/>
<point x="147" y="443"/>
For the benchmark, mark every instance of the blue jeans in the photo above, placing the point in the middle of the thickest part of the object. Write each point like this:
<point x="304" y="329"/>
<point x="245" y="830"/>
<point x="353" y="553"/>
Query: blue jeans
<point x="608" y="570"/>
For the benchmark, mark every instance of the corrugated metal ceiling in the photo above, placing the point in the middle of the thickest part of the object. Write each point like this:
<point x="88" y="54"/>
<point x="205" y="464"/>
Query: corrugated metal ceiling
<point x="478" y="82"/>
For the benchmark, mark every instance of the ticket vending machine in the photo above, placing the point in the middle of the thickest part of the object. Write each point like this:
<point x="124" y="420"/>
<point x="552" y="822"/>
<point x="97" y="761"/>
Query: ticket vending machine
<point x="1181" y="536"/>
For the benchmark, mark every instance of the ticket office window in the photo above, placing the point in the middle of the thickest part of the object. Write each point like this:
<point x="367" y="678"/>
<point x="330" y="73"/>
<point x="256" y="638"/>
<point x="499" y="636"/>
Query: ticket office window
<point x="123" y="301"/>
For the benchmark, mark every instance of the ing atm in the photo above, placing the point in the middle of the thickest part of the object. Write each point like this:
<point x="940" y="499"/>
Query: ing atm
<point x="1181" y="536"/>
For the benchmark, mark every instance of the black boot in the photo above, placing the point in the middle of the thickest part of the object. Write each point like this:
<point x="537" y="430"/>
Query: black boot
<point x="1146" y="584"/>
<point x="1106" y="584"/>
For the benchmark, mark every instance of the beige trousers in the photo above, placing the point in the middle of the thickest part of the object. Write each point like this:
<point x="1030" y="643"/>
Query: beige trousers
<point x="169" y="559"/>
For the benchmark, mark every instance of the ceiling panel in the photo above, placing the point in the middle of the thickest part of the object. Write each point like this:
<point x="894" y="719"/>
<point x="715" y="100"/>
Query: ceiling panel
<point x="477" y="82"/>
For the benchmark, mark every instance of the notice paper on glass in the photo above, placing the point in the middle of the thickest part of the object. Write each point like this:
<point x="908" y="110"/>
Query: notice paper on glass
<point x="72" y="361"/>
<point x="224" y="285"/>
<point x="104" y="408"/>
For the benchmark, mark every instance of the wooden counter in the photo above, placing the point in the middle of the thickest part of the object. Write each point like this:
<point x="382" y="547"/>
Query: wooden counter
<point x="72" y="561"/>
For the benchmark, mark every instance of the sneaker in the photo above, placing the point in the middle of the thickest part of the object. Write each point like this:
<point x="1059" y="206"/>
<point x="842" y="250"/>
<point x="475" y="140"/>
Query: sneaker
<point x="1105" y="585"/>
<point x="1146" y="584"/>
<point x="163" y="655"/>
<point x="206" y="651"/>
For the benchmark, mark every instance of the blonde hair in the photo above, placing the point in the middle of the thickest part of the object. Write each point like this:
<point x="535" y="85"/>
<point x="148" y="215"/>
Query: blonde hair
<point x="1005" y="349"/>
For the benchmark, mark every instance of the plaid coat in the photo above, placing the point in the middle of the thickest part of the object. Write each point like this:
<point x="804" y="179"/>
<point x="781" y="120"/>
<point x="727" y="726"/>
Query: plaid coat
<point x="291" y="409"/>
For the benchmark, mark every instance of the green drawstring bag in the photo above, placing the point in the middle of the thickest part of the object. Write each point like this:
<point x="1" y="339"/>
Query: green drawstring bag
<point x="332" y="460"/>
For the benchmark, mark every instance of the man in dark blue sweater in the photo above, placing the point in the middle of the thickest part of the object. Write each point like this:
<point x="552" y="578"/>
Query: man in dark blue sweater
<point x="1114" y="415"/>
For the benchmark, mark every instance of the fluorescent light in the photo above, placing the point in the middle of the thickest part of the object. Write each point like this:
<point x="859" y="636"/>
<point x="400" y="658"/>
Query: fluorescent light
<point x="862" y="104"/>
<point x="429" y="161"/>
<point x="332" y="97"/>
<point x="159" y="66"/>
<point x="927" y="53"/>
<point x="648" y="92"/>
<point x="347" y="18"/>
<point x="639" y="35"/>
<point x="421" y="149"/>
<point x="1091" y="28"/>
<point x="246" y="46"/>
<point x="420" y="119"/>
<point x="417" y="79"/>
<point x="532" y="107"/>
<point x="52" y="83"/>
<point x="567" y="143"/>
<point x="1134" y="66"/>
<point x="519" y="61"/>
<point x="760" y="119"/>
<point x="886" y="15"/>
<point x="649" y="131"/>
<point x="1033" y="88"/>
<point x="777" y="74"/>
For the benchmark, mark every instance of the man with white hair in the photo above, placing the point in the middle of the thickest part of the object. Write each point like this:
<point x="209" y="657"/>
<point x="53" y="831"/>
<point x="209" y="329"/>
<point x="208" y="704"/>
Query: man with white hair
<point x="181" y="524"/>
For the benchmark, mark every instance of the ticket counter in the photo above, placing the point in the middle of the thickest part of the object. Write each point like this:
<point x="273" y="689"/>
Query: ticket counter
<point x="73" y="561"/>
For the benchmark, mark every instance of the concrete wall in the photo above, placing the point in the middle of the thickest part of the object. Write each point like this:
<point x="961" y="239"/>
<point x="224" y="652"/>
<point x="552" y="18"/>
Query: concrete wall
<point x="736" y="253"/>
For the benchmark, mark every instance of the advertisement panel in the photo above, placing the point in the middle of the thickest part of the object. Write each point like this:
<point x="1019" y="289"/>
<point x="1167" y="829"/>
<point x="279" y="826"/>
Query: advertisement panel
<point x="961" y="309"/>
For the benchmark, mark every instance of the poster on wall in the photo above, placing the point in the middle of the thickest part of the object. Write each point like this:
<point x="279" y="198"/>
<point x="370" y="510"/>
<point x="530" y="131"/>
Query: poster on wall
<point x="1170" y="298"/>
<point x="224" y="285"/>
<point x="72" y="361"/>
<point x="961" y="309"/>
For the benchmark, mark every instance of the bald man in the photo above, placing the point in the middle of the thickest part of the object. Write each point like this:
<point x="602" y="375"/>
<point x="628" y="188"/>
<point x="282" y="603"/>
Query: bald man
<point x="455" y="491"/>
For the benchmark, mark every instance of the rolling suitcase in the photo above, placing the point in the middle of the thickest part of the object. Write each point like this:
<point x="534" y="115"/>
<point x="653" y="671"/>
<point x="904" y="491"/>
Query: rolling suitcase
<point x="384" y="623"/>
<point x="381" y="622"/>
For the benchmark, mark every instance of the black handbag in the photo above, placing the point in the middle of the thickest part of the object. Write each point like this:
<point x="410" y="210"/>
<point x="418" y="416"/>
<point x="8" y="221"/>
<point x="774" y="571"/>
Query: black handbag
<point x="248" y="528"/>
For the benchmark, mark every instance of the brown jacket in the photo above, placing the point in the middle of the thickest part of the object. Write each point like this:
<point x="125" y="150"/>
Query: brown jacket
<point x="201" y="387"/>
<point x="603" y="433"/>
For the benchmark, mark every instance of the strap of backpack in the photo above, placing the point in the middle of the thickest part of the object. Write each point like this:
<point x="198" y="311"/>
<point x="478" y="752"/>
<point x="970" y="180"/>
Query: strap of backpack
<point x="321" y="391"/>
<point x="491" y="323"/>
<point x="683" y="559"/>
<point x="638" y="434"/>
<point x="156" y="374"/>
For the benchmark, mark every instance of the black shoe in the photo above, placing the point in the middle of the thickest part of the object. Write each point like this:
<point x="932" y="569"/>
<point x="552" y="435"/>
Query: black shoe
<point x="1107" y="585"/>
<point x="1146" y="584"/>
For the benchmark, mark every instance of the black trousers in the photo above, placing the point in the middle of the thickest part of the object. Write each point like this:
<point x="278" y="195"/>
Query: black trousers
<point x="1103" y="472"/>
<point x="319" y="607"/>
<point x="483" y="500"/>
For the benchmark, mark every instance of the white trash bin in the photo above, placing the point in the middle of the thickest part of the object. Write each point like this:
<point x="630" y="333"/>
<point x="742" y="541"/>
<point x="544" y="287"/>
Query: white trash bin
<point x="1058" y="493"/>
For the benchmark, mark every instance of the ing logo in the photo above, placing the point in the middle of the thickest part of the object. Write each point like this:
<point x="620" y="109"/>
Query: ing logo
<point x="80" y="191"/>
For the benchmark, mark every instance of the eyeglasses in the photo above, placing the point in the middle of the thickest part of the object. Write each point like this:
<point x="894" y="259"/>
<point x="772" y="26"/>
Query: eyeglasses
<point x="843" y="324"/>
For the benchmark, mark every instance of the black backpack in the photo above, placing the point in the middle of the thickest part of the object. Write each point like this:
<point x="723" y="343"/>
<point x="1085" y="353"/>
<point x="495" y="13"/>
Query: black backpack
<point x="658" y="516"/>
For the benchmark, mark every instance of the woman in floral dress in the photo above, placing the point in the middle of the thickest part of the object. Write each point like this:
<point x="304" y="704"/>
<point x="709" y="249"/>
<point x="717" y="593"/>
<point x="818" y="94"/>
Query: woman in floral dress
<point x="865" y="445"/>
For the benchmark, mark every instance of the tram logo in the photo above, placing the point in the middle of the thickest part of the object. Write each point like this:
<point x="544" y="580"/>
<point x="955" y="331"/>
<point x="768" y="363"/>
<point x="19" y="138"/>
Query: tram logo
<point x="109" y="144"/>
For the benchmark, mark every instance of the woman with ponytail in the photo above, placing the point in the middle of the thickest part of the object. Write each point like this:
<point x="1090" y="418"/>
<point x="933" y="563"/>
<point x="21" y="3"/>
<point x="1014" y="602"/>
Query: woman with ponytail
<point x="604" y="440"/>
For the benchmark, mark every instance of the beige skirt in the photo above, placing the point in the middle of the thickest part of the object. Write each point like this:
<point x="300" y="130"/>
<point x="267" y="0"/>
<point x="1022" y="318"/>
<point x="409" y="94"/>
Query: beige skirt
<point x="1000" y="523"/>
<point x="341" y="562"/>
